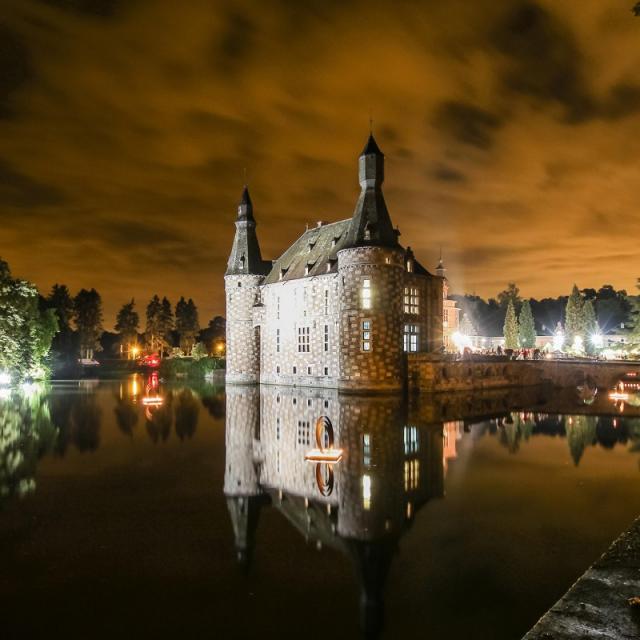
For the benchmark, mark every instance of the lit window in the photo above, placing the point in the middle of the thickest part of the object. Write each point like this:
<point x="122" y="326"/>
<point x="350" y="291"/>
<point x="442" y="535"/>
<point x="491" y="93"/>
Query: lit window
<point x="326" y="337"/>
<point x="366" y="492"/>
<point x="366" y="335"/>
<point x="411" y="300"/>
<point x="410" y="266"/>
<point x="411" y="333"/>
<point x="366" y="293"/>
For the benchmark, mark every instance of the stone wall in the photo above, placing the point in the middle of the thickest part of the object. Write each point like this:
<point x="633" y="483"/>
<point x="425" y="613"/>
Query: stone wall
<point x="307" y="304"/>
<point x="243" y="339"/>
<point x="380" y="368"/>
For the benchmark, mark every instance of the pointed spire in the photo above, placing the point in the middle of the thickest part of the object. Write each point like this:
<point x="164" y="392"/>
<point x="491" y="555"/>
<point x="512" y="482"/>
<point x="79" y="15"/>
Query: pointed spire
<point x="440" y="269"/>
<point x="245" y="257"/>
<point x="371" y="224"/>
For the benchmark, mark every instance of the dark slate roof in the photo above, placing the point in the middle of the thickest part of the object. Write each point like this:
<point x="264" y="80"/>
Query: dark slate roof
<point x="371" y="147"/>
<point x="314" y="248"/>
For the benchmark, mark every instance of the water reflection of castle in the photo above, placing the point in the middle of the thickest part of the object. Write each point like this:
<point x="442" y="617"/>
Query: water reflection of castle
<point x="392" y="465"/>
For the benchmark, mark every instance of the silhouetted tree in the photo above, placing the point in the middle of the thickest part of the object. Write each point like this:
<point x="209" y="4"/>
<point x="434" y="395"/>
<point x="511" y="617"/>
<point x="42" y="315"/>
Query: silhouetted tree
<point x="187" y="324"/>
<point x="511" y="293"/>
<point x="127" y="323"/>
<point x="153" y="330"/>
<point x="87" y="316"/>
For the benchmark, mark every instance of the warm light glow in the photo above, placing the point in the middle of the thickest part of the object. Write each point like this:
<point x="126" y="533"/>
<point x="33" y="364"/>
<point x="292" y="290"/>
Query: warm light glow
<point x="461" y="341"/>
<point x="135" y="351"/>
<point x="578" y="344"/>
<point x="597" y="340"/>
<point x="152" y="400"/>
<point x="366" y="492"/>
<point x="558" y="341"/>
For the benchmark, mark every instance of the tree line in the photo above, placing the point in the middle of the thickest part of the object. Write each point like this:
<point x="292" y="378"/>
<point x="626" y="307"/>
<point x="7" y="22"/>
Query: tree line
<point x="582" y="312"/>
<point x="167" y="329"/>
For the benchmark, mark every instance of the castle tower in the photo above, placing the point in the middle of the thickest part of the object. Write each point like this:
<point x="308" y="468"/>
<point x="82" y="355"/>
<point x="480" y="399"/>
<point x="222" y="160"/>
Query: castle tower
<point x="245" y="272"/>
<point x="370" y="269"/>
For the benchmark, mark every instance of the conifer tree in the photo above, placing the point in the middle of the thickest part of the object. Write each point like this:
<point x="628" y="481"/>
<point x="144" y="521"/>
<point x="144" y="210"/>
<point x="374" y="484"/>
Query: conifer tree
<point x="574" y="317"/>
<point x="510" y="327"/>
<point x="127" y="322"/>
<point x="526" y="326"/>
<point x="153" y="328"/>
<point x="87" y="316"/>
<point x="187" y="324"/>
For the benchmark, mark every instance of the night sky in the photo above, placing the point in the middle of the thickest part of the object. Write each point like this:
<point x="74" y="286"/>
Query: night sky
<point x="511" y="132"/>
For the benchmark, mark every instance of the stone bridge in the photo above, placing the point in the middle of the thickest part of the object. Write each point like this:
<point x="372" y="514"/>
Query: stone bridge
<point x="428" y="373"/>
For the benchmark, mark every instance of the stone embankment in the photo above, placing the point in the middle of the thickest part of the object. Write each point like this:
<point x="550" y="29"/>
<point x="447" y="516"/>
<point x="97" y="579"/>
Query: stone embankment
<point x="598" y="604"/>
<point x="431" y="374"/>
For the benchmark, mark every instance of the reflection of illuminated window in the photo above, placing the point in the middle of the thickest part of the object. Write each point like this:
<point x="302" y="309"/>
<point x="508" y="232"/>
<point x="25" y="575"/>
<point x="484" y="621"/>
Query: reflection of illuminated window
<point x="366" y="492"/>
<point x="365" y="293"/>
<point x="411" y="474"/>
<point x="411" y="444"/>
<point x="304" y="432"/>
<point x="366" y="449"/>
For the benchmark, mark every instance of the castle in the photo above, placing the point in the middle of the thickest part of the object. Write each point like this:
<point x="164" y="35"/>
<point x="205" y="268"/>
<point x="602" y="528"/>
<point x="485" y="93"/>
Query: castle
<point x="339" y="308"/>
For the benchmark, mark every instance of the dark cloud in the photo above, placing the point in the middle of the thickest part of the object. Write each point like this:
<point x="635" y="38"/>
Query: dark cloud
<point x="544" y="60"/>
<point x="467" y="123"/>
<point x="234" y="44"/>
<point x="16" y="68"/>
<point x="21" y="191"/>
<point x="96" y="8"/>
<point x="445" y="173"/>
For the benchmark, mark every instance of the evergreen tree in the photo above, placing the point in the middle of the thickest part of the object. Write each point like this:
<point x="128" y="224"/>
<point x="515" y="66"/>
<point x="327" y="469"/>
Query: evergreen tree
<point x="466" y="326"/>
<point x="526" y="326"/>
<point x="153" y="326"/>
<point x="127" y="323"/>
<point x="510" y="330"/>
<point x="61" y="302"/>
<point x="574" y="318"/>
<point x="187" y="324"/>
<point x="166" y="325"/>
<point x="87" y="316"/>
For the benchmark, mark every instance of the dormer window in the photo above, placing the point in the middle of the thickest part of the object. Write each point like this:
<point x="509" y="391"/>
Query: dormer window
<point x="283" y="272"/>
<point x="308" y="267"/>
<point x="410" y="266"/>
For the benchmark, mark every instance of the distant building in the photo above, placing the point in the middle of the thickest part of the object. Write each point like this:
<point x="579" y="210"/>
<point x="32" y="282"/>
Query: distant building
<point x="339" y="308"/>
<point x="450" y="311"/>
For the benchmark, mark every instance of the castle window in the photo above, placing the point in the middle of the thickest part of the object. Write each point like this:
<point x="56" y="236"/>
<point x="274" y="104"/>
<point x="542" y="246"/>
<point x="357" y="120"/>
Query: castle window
<point x="326" y="371"/>
<point x="411" y="442"/>
<point x="366" y="335"/>
<point x="277" y="340"/>
<point x="278" y="308"/>
<point x="411" y="333"/>
<point x="278" y="369"/>
<point x="277" y="428"/>
<point x="239" y="284"/>
<point x="411" y="474"/>
<point x="304" y="433"/>
<point x="295" y="370"/>
<point x="366" y="492"/>
<point x="308" y="371"/>
<point x="308" y="402"/>
<point x="304" y="345"/>
<point x="387" y="260"/>
<point x="365" y="293"/>
<point x="410" y="266"/>
<point x="326" y="337"/>
<point x="326" y="302"/>
<point x="411" y="300"/>
<point x="366" y="449"/>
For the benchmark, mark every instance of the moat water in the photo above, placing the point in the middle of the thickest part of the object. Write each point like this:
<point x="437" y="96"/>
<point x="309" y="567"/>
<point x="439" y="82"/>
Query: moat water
<point x="138" y="509"/>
